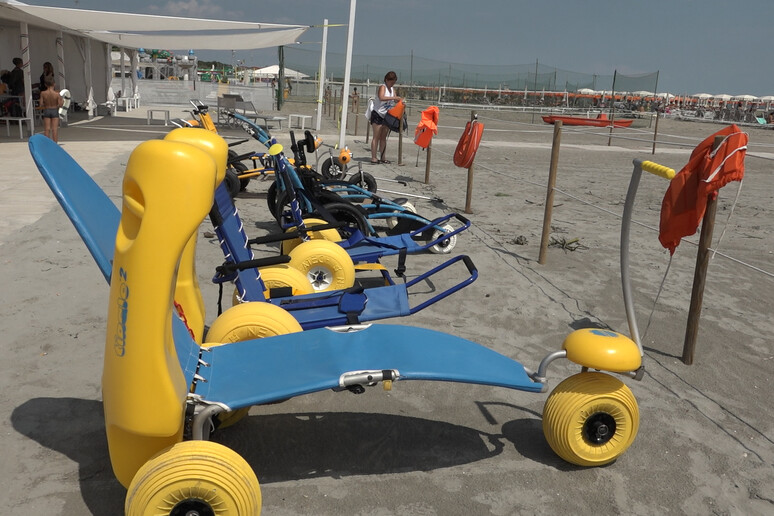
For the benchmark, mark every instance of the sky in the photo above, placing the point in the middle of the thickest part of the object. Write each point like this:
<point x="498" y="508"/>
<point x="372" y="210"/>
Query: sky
<point x="697" y="46"/>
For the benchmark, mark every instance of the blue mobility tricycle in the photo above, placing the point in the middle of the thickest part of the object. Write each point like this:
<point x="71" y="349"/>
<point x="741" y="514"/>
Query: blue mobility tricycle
<point x="165" y="389"/>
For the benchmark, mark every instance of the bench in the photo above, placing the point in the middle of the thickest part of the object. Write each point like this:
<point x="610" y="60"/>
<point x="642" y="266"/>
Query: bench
<point x="19" y="120"/>
<point x="301" y="120"/>
<point x="166" y="115"/>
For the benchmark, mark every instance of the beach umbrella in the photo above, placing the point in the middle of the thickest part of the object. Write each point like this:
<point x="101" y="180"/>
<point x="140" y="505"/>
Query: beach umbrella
<point x="745" y="98"/>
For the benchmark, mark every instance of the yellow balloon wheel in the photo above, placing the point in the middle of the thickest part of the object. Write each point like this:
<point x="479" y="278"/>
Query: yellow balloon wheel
<point x="590" y="419"/>
<point x="279" y="276"/>
<point x="251" y="321"/>
<point x="231" y="417"/>
<point x="194" y="477"/>
<point x="325" y="234"/>
<point x="326" y="264"/>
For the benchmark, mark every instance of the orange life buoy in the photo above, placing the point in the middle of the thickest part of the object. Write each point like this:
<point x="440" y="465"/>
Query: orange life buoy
<point x="468" y="144"/>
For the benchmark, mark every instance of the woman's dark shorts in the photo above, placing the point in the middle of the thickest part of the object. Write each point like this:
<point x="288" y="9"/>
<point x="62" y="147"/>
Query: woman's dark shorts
<point x="376" y="118"/>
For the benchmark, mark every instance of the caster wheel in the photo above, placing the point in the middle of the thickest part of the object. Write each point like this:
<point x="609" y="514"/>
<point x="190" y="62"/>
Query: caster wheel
<point x="590" y="419"/>
<point x="444" y="246"/>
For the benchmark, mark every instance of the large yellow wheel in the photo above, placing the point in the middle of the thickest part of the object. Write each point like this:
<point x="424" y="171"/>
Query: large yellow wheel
<point x="325" y="234"/>
<point x="280" y="276"/>
<point x="194" y="477"/>
<point x="326" y="264"/>
<point x="590" y="419"/>
<point x="253" y="320"/>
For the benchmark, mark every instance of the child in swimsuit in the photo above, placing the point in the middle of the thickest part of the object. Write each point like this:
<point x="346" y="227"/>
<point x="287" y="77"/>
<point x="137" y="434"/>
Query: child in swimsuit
<point x="51" y="101"/>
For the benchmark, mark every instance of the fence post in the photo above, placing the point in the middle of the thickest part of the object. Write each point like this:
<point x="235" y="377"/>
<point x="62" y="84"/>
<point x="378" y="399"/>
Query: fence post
<point x="469" y="191"/>
<point x="700" y="274"/>
<point x="655" y="133"/>
<point x="400" y="141"/>
<point x="549" y="207"/>
<point x="427" y="162"/>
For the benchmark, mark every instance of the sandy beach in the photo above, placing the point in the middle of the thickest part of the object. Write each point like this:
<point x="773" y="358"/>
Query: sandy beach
<point x="706" y="437"/>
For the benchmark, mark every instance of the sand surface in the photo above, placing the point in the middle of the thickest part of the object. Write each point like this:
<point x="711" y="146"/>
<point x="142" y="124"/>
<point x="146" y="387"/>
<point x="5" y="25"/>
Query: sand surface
<point x="705" y="439"/>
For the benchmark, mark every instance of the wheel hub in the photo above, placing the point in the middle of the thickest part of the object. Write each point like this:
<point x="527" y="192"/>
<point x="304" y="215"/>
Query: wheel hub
<point x="599" y="428"/>
<point x="319" y="278"/>
<point x="192" y="507"/>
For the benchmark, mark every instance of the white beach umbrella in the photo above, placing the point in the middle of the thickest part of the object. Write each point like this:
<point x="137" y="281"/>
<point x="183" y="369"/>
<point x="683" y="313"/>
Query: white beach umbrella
<point x="701" y="95"/>
<point x="745" y="98"/>
<point x="722" y="96"/>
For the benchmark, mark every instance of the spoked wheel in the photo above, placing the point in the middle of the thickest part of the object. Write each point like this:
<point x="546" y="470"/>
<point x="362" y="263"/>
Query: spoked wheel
<point x="325" y="234"/>
<point x="590" y="419"/>
<point x="326" y="264"/>
<point x="350" y="215"/>
<point x="444" y="246"/>
<point x="332" y="168"/>
<point x="194" y="478"/>
<point x="253" y="320"/>
<point x="364" y="180"/>
<point x="232" y="182"/>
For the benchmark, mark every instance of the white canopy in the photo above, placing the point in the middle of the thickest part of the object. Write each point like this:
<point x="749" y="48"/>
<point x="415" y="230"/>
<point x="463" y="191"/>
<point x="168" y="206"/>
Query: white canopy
<point x="273" y="71"/>
<point x="143" y="30"/>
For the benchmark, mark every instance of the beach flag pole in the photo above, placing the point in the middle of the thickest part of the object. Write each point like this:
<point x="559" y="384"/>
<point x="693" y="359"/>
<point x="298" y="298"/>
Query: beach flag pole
<point x="549" y="206"/>
<point x="700" y="273"/>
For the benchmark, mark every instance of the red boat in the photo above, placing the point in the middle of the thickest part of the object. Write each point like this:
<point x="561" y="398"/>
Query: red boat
<point x="600" y="121"/>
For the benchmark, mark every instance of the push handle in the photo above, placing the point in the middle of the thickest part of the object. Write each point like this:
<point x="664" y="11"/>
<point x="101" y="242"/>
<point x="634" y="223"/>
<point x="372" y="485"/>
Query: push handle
<point x="659" y="170"/>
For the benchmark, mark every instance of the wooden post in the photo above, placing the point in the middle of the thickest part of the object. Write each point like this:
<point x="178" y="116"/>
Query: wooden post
<point x="400" y="142"/>
<point x="427" y="163"/>
<point x="655" y="133"/>
<point x="549" y="207"/>
<point x="700" y="274"/>
<point x="469" y="191"/>
<point x="356" y="110"/>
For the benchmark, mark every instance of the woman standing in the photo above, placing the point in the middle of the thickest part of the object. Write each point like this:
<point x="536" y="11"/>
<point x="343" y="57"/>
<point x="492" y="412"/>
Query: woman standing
<point x="385" y="99"/>
<point x="48" y="71"/>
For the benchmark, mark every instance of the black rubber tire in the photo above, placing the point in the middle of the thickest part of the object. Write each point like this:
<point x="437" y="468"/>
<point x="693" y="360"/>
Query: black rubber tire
<point x="332" y="168"/>
<point x="271" y="198"/>
<point x="367" y="182"/>
<point x="232" y="182"/>
<point x="240" y="169"/>
<point x="350" y="215"/>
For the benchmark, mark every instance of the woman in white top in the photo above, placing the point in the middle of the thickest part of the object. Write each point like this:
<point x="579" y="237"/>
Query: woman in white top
<point x="385" y="99"/>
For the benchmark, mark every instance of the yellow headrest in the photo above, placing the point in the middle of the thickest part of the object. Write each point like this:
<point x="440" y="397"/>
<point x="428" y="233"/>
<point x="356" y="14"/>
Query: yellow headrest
<point x="209" y="142"/>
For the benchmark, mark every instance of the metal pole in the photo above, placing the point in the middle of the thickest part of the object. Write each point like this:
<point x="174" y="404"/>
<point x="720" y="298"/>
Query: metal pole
<point x="347" y="72"/>
<point x="322" y="75"/>
<point x="700" y="274"/>
<point x="549" y="206"/>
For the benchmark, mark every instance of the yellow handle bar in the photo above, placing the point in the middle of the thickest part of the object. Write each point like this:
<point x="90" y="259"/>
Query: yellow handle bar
<point x="659" y="170"/>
